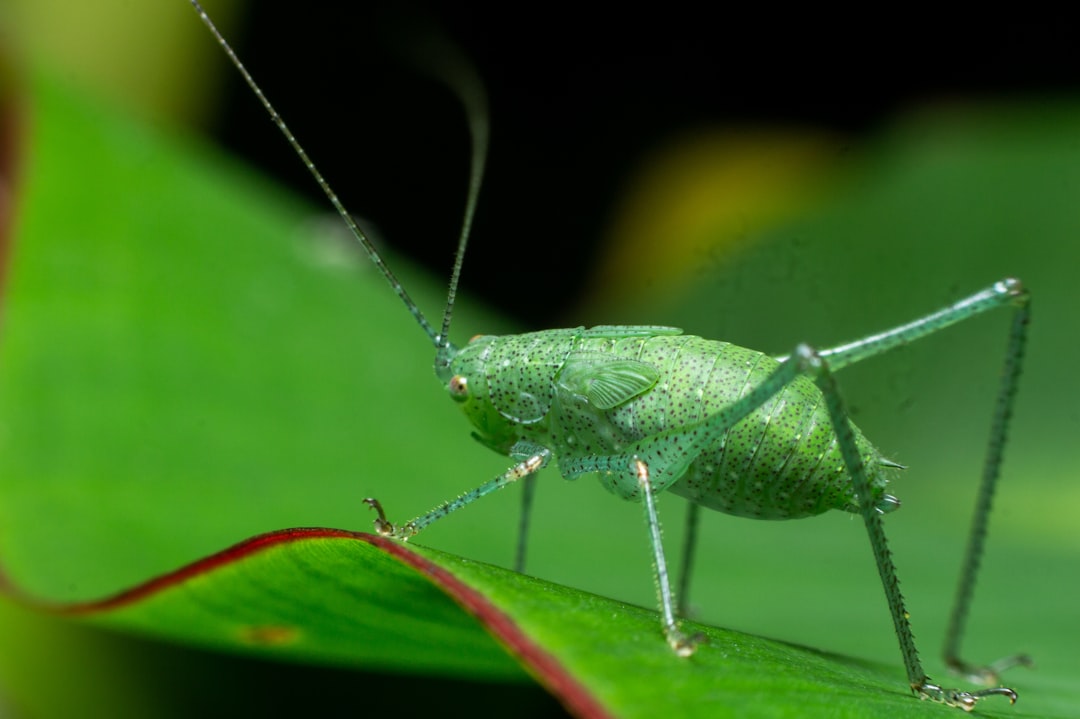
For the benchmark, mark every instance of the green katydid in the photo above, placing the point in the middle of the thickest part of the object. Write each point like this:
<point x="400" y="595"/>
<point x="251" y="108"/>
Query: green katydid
<point x="647" y="409"/>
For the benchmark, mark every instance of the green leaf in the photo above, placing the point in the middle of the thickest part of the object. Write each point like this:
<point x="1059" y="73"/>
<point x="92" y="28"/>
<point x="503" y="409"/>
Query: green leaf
<point x="336" y="597"/>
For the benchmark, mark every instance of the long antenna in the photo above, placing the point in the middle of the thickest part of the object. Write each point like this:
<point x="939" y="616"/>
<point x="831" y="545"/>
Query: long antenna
<point x="454" y="69"/>
<point x="468" y="89"/>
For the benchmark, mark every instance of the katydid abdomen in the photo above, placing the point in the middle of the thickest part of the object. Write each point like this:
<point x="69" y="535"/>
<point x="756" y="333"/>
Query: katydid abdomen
<point x="593" y="393"/>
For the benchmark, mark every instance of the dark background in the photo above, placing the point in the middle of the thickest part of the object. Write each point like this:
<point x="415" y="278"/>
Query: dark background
<point x="577" y="94"/>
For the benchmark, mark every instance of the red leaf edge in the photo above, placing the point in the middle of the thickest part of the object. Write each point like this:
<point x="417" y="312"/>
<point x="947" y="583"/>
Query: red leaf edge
<point x="543" y="666"/>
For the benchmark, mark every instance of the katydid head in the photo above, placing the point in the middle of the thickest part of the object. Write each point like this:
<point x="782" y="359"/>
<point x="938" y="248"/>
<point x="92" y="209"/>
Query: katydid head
<point x="466" y="378"/>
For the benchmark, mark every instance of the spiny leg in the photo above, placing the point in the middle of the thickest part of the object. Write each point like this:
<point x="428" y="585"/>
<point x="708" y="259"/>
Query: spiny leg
<point x="1003" y="408"/>
<point x="413" y="527"/>
<point x="1007" y="292"/>
<point x="683" y="645"/>
<point x="856" y="469"/>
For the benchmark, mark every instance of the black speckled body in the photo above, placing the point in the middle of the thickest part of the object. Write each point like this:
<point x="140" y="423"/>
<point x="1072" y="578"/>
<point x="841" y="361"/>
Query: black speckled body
<point x="602" y="392"/>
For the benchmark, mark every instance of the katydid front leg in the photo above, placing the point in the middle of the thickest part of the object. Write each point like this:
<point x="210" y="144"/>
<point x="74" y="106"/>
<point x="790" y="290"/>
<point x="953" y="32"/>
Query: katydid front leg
<point x="533" y="459"/>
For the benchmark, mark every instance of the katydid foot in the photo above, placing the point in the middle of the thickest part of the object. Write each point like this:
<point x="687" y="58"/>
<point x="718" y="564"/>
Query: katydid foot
<point x="385" y="528"/>
<point x="957" y="697"/>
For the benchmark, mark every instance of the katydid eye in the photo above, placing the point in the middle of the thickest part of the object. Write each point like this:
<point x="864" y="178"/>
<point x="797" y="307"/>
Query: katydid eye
<point x="459" y="387"/>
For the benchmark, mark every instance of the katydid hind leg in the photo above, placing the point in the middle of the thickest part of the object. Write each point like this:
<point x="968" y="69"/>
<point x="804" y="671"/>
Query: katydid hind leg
<point x="1008" y="292"/>
<point x="872" y="518"/>
<point x="1003" y="410"/>
<point x="1004" y="293"/>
